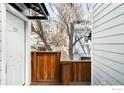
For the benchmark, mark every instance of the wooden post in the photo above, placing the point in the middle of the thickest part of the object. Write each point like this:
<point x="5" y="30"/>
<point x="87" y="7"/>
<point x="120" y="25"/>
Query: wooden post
<point x="33" y="66"/>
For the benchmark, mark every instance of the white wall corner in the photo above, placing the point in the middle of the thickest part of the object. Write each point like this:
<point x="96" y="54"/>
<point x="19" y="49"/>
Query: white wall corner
<point x="3" y="43"/>
<point x="28" y="53"/>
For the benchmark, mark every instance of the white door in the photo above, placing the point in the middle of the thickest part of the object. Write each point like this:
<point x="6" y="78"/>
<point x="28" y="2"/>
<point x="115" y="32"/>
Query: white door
<point x="15" y="50"/>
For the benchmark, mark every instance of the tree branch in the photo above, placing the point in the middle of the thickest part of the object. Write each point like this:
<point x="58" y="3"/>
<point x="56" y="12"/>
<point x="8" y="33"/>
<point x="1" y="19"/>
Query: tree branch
<point x="33" y="29"/>
<point x="77" y="41"/>
<point x="41" y="35"/>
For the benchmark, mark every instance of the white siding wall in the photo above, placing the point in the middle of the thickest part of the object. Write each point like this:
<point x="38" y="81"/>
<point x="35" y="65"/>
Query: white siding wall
<point x="108" y="44"/>
<point x="0" y="44"/>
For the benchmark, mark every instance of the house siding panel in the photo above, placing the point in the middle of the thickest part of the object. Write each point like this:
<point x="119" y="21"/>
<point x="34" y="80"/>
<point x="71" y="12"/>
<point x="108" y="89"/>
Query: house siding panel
<point x="107" y="11"/>
<point x="100" y="9"/>
<point x="97" y="6"/>
<point x="108" y="45"/>
<point x="0" y="44"/>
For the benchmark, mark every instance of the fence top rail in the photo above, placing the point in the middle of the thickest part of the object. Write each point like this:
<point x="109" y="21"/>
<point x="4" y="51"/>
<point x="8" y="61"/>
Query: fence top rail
<point x="45" y="52"/>
<point x="75" y="61"/>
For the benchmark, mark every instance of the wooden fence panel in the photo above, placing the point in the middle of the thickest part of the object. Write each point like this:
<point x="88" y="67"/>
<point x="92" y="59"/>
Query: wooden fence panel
<point x="81" y="71"/>
<point x="33" y="67"/>
<point x="45" y="66"/>
<point x="76" y="72"/>
<point x="66" y="73"/>
<point x="47" y="69"/>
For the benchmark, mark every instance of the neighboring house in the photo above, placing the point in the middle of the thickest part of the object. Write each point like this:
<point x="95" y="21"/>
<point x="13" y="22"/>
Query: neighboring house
<point x="15" y="49"/>
<point x="83" y="46"/>
<point x="108" y="44"/>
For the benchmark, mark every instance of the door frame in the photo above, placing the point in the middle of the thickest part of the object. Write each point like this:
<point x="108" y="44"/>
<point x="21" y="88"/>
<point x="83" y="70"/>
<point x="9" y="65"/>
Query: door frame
<point x="6" y="7"/>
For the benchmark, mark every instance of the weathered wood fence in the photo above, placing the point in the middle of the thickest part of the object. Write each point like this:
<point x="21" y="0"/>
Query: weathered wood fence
<point x="46" y="68"/>
<point x="76" y="72"/>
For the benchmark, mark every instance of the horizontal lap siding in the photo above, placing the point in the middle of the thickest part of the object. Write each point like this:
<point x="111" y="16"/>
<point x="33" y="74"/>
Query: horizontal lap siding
<point x="96" y="6"/>
<point x="0" y="44"/>
<point x="112" y="48"/>
<point x="108" y="44"/>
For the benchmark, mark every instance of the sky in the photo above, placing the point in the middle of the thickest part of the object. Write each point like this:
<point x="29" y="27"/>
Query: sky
<point x="51" y="12"/>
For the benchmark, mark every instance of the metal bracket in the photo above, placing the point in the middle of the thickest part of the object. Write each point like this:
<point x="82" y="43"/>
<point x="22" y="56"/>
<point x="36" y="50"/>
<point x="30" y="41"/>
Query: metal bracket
<point x="23" y="84"/>
<point x="6" y="69"/>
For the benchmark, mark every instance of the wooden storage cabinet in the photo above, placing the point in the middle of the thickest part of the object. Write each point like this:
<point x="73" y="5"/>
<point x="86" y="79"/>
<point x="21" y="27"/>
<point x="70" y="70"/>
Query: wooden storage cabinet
<point x="45" y="67"/>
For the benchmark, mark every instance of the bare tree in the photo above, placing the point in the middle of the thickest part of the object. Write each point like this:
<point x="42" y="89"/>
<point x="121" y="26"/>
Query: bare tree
<point x="37" y="28"/>
<point x="64" y="21"/>
<point x="67" y="14"/>
<point x="59" y="40"/>
<point x="49" y="32"/>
